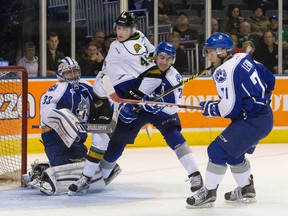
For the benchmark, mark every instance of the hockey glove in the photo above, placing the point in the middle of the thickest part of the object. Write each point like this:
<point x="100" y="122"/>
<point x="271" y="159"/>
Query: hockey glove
<point x="268" y="95"/>
<point x="150" y="108"/>
<point x="210" y="108"/>
<point x="126" y="114"/>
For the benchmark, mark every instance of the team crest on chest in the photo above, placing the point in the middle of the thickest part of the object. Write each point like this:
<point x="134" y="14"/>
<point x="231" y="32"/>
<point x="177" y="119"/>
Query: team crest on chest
<point x="220" y="75"/>
<point x="179" y="78"/>
<point x="137" y="47"/>
<point x="83" y="109"/>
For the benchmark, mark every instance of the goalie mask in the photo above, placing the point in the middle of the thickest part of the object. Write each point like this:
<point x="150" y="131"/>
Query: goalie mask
<point x="68" y="71"/>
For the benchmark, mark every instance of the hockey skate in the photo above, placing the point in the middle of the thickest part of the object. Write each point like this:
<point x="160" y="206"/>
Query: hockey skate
<point x="204" y="198"/>
<point x="80" y="186"/>
<point x="114" y="173"/>
<point x="196" y="181"/>
<point x="246" y="194"/>
<point x="33" y="178"/>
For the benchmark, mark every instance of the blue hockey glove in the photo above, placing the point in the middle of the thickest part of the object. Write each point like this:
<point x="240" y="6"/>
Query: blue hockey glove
<point x="151" y="108"/>
<point x="126" y="114"/>
<point x="210" y="108"/>
<point x="268" y="95"/>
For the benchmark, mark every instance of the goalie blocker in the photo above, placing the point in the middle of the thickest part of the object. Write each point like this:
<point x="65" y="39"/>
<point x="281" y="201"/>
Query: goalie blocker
<point x="64" y="122"/>
<point x="68" y="127"/>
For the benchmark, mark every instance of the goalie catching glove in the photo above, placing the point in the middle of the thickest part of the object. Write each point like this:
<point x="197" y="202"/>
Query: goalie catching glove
<point x="210" y="108"/>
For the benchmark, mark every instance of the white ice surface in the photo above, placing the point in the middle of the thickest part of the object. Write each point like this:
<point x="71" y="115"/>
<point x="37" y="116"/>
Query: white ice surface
<point x="152" y="183"/>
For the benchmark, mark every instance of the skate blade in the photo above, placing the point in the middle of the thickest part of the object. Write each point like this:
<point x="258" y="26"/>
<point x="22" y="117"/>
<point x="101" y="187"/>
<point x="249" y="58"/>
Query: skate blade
<point x="79" y="193"/>
<point x="243" y="201"/>
<point x="206" y="205"/>
<point x="109" y="180"/>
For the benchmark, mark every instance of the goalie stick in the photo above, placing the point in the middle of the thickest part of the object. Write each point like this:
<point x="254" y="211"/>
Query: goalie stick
<point x="94" y="128"/>
<point x="109" y="88"/>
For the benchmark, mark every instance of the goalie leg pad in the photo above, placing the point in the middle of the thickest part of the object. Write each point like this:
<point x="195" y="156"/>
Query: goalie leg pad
<point x="64" y="122"/>
<point x="56" y="180"/>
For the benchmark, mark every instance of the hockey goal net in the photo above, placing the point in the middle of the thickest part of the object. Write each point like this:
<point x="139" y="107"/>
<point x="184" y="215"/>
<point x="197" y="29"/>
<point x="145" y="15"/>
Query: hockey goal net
<point x="13" y="123"/>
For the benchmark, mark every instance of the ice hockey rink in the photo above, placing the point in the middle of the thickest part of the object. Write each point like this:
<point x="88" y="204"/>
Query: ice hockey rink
<point x="153" y="183"/>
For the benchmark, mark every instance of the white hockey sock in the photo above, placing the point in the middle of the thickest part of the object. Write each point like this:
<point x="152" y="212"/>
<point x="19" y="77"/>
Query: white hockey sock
<point x="241" y="173"/>
<point x="90" y="168"/>
<point x="214" y="175"/>
<point x="187" y="159"/>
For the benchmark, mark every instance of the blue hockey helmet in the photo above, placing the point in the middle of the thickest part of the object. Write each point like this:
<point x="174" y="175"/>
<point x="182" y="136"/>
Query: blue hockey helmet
<point x="166" y="48"/>
<point x="218" y="41"/>
<point x="68" y="70"/>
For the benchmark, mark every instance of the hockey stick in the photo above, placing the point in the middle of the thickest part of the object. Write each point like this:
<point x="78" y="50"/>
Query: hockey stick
<point x="109" y="88"/>
<point x="177" y="86"/>
<point x="94" y="128"/>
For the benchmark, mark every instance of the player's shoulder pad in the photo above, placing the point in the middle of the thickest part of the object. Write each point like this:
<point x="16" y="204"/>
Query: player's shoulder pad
<point x="85" y="82"/>
<point x="135" y="46"/>
<point x="154" y="72"/>
<point x="58" y="87"/>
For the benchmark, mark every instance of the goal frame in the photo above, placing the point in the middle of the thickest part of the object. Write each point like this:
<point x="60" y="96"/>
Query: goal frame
<point x="24" y="113"/>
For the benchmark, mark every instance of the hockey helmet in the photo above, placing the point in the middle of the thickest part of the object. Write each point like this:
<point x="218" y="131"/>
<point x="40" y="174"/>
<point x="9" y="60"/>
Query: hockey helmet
<point x="218" y="41"/>
<point x="68" y="70"/>
<point x="127" y="19"/>
<point x="166" y="48"/>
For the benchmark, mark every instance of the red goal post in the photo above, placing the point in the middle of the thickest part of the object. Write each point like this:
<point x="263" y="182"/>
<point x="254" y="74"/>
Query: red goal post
<point x="13" y="122"/>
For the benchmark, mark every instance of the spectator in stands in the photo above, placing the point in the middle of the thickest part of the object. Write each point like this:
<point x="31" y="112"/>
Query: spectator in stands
<point x="231" y="23"/>
<point x="99" y="39"/>
<point x="259" y="23"/>
<point x="274" y="28"/>
<point x="181" y="62"/>
<point x="151" y="39"/>
<point x="248" y="47"/>
<point x="29" y="60"/>
<point x="54" y="55"/>
<point x="267" y="53"/>
<point x="108" y="40"/>
<point x="188" y="35"/>
<point x="236" y="49"/>
<point x="214" y="26"/>
<point x="91" y="62"/>
<point x="244" y="34"/>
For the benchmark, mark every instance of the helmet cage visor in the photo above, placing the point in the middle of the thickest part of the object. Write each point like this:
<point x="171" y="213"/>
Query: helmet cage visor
<point x="207" y="50"/>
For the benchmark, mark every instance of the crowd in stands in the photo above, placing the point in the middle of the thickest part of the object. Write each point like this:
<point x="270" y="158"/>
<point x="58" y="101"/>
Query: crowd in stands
<point x="256" y="34"/>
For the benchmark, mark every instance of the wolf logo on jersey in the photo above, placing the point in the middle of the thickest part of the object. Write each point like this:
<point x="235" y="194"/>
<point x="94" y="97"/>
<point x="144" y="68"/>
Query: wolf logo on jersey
<point x="83" y="109"/>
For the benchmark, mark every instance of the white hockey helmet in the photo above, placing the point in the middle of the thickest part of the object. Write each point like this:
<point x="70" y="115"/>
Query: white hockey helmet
<point x="68" y="70"/>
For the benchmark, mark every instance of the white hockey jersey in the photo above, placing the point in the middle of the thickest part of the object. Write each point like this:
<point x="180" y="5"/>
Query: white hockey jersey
<point x="125" y="61"/>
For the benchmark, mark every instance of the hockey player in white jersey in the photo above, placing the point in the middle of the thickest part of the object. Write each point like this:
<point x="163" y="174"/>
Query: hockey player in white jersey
<point x="128" y="57"/>
<point x="64" y="105"/>
<point x="244" y="87"/>
<point x="166" y="120"/>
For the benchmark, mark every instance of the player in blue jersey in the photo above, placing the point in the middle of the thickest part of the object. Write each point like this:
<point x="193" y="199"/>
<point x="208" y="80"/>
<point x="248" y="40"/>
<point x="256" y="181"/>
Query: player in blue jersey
<point x="63" y="106"/>
<point x="244" y="87"/>
<point x="166" y="120"/>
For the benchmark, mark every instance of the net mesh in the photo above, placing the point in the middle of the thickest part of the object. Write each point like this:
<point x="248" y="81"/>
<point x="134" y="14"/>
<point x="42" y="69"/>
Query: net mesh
<point x="10" y="125"/>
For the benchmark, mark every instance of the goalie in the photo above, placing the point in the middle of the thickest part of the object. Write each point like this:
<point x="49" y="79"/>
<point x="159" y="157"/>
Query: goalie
<point x="64" y="106"/>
